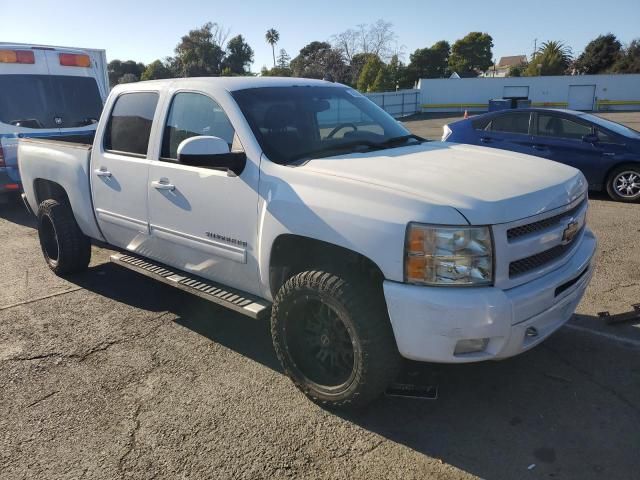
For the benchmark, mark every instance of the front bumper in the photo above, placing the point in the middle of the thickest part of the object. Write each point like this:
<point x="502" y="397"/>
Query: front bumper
<point x="428" y="322"/>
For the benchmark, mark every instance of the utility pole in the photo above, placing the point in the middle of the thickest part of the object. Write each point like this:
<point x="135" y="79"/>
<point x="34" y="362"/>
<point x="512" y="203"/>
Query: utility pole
<point x="535" y="48"/>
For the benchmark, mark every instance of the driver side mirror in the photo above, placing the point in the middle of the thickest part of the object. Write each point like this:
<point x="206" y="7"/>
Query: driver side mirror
<point x="210" y="152"/>
<point x="591" y="138"/>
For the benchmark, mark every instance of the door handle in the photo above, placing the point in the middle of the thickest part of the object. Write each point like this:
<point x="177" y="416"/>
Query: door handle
<point x="608" y="154"/>
<point x="103" y="172"/>
<point x="539" y="147"/>
<point x="163" y="184"/>
<point x="485" y="140"/>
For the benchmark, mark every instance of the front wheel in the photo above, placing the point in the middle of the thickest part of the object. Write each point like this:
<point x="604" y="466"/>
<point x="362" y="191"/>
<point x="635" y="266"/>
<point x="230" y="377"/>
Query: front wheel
<point x="333" y="338"/>
<point x="65" y="248"/>
<point x="624" y="183"/>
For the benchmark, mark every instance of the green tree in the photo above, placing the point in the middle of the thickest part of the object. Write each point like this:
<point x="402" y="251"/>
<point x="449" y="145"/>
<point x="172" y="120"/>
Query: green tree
<point x="283" y="59"/>
<point x="515" y="71"/>
<point x="369" y="74"/>
<point x="432" y="62"/>
<point x="116" y="69"/>
<point x="128" y="78"/>
<point x="156" y="70"/>
<point x="239" y="56"/>
<point x="358" y="61"/>
<point x="396" y="71"/>
<point x="553" y="58"/>
<point x="599" y="55"/>
<point x="276" y="72"/>
<point x="272" y="37"/>
<point x="629" y="61"/>
<point x="471" y="54"/>
<point x="200" y="52"/>
<point x="384" y="80"/>
<point x="319" y="60"/>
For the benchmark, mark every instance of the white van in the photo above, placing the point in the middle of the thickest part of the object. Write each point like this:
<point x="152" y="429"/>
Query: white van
<point x="46" y="92"/>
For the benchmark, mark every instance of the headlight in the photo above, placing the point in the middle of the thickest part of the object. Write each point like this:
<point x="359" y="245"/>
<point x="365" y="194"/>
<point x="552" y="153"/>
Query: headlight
<point x="448" y="255"/>
<point x="446" y="133"/>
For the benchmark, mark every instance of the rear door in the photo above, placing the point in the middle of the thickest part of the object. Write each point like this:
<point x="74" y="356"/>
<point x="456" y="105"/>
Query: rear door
<point x="120" y="167"/>
<point x="559" y="138"/>
<point x="507" y="131"/>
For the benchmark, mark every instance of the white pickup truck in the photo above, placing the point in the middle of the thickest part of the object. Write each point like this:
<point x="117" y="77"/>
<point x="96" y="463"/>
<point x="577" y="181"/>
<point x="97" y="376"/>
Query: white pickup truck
<point x="302" y="200"/>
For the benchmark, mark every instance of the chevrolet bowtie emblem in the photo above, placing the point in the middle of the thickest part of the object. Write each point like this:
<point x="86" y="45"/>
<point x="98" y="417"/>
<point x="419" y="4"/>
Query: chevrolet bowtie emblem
<point x="570" y="232"/>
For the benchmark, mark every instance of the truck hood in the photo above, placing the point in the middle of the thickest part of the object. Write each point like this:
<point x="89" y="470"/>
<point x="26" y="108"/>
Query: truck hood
<point x="486" y="185"/>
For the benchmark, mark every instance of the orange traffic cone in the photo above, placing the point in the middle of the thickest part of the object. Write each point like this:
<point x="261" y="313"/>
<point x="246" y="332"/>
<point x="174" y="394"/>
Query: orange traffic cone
<point x="466" y="114"/>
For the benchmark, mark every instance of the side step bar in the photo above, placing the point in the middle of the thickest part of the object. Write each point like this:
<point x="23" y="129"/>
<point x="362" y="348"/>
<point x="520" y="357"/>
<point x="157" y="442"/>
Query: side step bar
<point x="232" y="299"/>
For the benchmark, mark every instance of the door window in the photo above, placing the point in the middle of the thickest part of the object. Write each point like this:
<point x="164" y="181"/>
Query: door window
<point x="511" y="123"/>
<point x="604" y="137"/>
<point x="129" y="125"/>
<point x="559" y="127"/>
<point x="193" y="115"/>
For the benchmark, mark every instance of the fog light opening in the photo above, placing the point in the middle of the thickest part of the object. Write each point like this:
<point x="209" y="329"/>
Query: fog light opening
<point x="471" y="345"/>
<point x="531" y="332"/>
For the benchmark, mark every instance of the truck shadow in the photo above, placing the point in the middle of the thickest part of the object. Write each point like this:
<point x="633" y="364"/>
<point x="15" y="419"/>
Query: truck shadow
<point x="553" y="407"/>
<point x="14" y="211"/>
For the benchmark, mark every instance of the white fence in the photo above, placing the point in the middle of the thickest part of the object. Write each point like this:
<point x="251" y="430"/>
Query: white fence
<point x="398" y="104"/>
<point x="578" y="92"/>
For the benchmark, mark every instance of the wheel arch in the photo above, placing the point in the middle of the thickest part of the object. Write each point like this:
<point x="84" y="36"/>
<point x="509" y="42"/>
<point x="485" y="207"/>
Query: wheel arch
<point x="48" y="189"/>
<point x="292" y="254"/>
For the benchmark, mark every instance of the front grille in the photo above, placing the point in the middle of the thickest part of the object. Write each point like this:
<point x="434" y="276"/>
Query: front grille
<point x="516" y="232"/>
<point x="539" y="260"/>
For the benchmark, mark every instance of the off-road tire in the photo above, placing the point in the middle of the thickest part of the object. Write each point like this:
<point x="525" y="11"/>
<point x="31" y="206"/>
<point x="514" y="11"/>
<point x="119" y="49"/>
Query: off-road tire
<point x="611" y="190"/>
<point x="362" y="310"/>
<point x="65" y="248"/>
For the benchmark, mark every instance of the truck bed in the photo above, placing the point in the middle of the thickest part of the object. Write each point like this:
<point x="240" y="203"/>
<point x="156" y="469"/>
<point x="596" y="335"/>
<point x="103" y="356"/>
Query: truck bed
<point x="66" y="163"/>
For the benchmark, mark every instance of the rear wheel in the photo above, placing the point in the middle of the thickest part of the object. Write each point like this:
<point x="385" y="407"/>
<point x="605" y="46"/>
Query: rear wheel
<point x="65" y="248"/>
<point x="334" y="339"/>
<point x="624" y="183"/>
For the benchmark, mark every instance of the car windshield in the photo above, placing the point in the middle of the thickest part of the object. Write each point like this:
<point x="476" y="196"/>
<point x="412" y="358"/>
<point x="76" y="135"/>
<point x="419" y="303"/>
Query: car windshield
<point x="613" y="126"/>
<point x="299" y="123"/>
<point x="49" y="101"/>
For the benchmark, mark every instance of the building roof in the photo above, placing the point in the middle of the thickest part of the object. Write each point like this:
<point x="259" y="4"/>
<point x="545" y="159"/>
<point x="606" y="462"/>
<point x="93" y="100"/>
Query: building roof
<point x="511" y="61"/>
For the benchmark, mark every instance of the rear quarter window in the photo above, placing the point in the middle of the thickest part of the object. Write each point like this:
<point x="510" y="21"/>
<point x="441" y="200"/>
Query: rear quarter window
<point x="129" y="125"/>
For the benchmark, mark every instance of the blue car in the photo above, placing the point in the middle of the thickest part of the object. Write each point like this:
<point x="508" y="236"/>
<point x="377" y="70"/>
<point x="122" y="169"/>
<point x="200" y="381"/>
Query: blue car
<point x="607" y="153"/>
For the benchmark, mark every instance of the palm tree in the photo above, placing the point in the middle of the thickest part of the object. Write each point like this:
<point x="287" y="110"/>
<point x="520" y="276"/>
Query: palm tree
<point x="552" y="58"/>
<point x="272" y="36"/>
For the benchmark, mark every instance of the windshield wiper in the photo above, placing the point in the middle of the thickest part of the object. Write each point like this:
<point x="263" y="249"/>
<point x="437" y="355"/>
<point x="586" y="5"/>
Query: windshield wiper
<point x="370" y="146"/>
<point x="397" y="141"/>
<point x="333" y="149"/>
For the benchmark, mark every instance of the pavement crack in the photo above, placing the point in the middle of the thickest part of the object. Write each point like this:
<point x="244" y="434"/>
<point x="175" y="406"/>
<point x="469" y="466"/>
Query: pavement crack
<point x="32" y="404"/>
<point x="133" y="439"/>
<point x="37" y="299"/>
<point x="101" y="347"/>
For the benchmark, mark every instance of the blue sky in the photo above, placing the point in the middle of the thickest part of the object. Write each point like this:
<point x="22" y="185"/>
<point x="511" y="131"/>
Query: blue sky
<point x="144" y="30"/>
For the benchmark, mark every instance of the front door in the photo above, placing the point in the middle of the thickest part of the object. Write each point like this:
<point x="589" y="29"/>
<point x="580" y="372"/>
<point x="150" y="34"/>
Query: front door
<point x="203" y="220"/>
<point x="119" y="170"/>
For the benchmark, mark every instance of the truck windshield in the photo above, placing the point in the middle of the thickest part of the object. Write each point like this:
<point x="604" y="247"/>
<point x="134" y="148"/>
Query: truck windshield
<point x="298" y="123"/>
<point x="49" y="101"/>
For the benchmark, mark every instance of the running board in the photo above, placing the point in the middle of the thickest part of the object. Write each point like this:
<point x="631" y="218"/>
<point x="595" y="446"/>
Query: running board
<point x="232" y="299"/>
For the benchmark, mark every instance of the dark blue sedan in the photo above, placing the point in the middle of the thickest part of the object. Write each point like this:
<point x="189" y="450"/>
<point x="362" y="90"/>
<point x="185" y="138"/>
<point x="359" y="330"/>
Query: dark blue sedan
<point x="606" y="152"/>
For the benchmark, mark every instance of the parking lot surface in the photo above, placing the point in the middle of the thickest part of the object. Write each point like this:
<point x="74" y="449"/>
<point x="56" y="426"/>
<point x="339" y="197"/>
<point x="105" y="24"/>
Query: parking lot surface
<point x="108" y="374"/>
